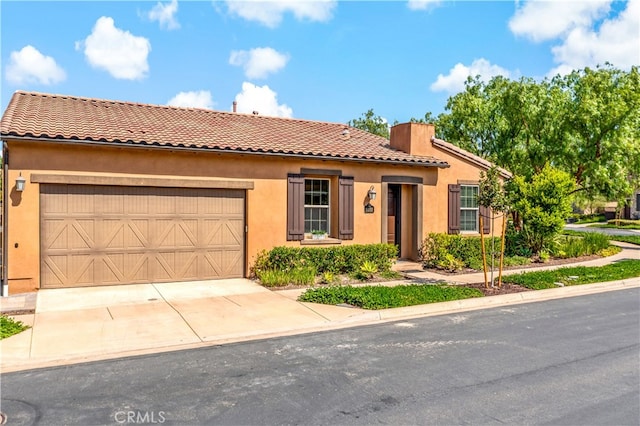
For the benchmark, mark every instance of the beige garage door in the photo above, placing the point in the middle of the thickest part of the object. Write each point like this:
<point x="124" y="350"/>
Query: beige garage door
<point x="104" y="235"/>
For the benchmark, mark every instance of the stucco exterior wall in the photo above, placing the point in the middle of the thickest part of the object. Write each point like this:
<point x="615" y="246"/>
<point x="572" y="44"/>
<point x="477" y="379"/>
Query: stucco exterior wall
<point x="266" y="203"/>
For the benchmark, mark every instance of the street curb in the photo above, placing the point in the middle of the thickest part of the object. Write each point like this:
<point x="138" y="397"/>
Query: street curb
<point x="365" y="318"/>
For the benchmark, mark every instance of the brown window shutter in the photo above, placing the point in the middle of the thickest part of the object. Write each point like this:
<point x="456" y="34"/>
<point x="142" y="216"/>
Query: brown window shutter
<point x="485" y="212"/>
<point x="345" y="208"/>
<point x="454" y="209"/>
<point x="295" y="207"/>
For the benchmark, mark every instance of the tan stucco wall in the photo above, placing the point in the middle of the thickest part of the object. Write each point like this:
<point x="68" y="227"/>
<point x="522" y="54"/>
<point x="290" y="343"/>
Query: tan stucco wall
<point x="461" y="171"/>
<point x="266" y="203"/>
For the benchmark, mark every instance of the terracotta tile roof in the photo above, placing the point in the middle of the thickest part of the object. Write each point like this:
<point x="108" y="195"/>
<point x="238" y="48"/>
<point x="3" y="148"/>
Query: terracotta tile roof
<point x="38" y="115"/>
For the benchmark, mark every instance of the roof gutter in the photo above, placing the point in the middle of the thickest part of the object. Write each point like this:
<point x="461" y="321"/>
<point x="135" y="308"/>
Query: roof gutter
<point x="442" y="165"/>
<point x="4" y="287"/>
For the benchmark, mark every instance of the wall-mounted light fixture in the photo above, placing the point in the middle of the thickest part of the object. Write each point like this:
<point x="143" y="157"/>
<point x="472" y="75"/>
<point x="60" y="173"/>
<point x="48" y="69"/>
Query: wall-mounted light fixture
<point x="20" y="181"/>
<point x="372" y="193"/>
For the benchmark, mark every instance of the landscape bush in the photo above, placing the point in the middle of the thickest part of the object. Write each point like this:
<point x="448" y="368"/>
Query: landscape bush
<point x="453" y="253"/>
<point x="588" y="243"/>
<point x="9" y="327"/>
<point x="346" y="259"/>
<point x="456" y="252"/>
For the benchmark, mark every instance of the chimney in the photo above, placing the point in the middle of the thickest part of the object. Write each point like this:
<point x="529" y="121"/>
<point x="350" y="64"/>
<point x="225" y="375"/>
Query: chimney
<point x="413" y="138"/>
<point x="235" y="106"/>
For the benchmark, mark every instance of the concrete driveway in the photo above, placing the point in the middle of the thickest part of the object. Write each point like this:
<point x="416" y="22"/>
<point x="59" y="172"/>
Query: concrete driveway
<point x="76" y="324"/>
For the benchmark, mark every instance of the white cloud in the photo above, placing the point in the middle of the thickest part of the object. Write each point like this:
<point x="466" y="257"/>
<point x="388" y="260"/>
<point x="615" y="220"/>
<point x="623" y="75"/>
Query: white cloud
<point x="165" y="15"/>
<point x="423" y="4"/>
<point x="546" y="20"/>
<point x="270" y="12"/>
<point x="259" y="62"/>
<point x="30" y="66"/>
<point x="261" y="99"/>
<point x="194" y="99"/>
<point x="118" y="52"/>
<point x="617" y="41"/>
<point x="454" y="81"/>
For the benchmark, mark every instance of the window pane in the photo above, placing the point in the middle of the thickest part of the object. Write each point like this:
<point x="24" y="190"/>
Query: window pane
<point x="468" y="196"/>
<point x="316" y="200"/>
<point x="316" y="192"/>
<point x="468" y="220"/>
<point x="316" y="219"/>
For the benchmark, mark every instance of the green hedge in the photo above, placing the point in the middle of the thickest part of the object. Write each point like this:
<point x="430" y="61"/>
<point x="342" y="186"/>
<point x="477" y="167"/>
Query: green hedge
<point x="347" y="259"/>
<point x="455" y="252"/>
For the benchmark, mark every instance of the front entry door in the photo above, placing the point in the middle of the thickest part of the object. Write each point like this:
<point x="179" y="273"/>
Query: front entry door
<point x="393" y="215"/>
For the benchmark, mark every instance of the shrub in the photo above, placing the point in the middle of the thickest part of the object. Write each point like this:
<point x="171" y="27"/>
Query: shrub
<point x="454" y="252"/>
<point x="368" y="269"/>
<point x="273" y="277"/>
<point x="584" y="245"/>
<point x="303" y="276"/>
<point x="328" y="277"/>
<point x="516" y="260"/>
<point x="337" y="260"/>
<point x="543" y="203"/>
<point x="9" y="327"/>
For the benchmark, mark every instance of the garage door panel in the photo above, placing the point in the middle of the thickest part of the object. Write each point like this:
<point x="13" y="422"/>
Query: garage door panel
<point x="232" y="261"/>
<point x="95" y="235"/>
<point x="82" y="234"/>
<point x="81" y="270"/>
<point x="232" y="232"/>
<point x="54" y="270"/>
<point x="55" y="236"/>
<point x="111" y="234"/>
<point x="136" y="233"/>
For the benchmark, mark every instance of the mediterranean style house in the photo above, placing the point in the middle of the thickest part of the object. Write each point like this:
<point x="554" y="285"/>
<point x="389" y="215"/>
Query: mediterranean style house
<point x="102" y="192"/>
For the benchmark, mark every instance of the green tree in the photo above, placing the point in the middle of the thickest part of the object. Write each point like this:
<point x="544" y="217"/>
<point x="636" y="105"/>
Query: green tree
<point x="543" y="204"/>
<point x="372" y="123"/>
<point x="493" y="195"/>
<point x="586" y="123"/>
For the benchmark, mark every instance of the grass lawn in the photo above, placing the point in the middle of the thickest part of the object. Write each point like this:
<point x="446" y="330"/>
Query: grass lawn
<point x="633" y="239"/>
<point x="576" y="275"/>
<point x="608" y="225"/>
<point x="9" y="327"/>
<point x="380" y="297"/>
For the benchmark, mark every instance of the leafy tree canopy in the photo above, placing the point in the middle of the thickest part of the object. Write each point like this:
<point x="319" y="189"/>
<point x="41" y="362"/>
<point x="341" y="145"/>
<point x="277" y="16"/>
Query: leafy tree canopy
<point x="371" y="123"/>
<point x="586" y="123"/>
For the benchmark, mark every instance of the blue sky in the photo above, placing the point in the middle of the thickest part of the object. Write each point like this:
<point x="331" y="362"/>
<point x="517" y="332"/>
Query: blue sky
<point x="323" y="60"/>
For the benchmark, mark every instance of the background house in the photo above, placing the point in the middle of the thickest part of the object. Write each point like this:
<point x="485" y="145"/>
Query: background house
<point x="119" y="192"/>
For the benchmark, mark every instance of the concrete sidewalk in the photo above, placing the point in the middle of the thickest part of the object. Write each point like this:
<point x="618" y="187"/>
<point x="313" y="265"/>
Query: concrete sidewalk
<point x="94" y="323"/>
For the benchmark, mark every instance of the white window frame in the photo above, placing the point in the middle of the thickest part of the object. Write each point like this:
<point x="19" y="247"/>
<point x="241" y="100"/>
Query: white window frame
<point x="475" y="209"/>
<point x="327" y="207"/>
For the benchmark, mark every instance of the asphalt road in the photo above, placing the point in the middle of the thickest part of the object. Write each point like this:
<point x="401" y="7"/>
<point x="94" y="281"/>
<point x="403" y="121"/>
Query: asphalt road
<point x="565" y="361"/>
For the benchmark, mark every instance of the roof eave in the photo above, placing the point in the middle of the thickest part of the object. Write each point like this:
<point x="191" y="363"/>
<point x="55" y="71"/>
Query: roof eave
<point x="132" y="144"/>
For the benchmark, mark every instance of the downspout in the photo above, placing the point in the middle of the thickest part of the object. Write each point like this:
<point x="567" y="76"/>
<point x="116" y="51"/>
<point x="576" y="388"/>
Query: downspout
<point x="4" y="289"/>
